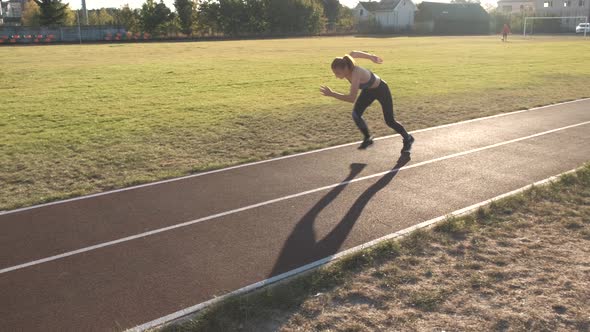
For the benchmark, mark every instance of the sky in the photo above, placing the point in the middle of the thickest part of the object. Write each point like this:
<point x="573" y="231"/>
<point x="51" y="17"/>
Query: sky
<point x="97" y="4"/>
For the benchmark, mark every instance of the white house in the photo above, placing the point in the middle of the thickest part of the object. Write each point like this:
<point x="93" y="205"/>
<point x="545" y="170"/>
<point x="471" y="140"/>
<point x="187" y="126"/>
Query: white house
<point x="396" y="14"/>
<point x="364" y="11"/>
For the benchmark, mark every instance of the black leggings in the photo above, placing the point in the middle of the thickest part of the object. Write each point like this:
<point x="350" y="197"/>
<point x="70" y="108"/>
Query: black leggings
<point x="383" y="95"/>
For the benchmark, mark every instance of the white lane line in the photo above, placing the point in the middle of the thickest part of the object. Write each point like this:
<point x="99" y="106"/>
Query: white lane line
<point x="280" y="158"/>
<point x="253" y="206"/>
<point x="314" y="265"/>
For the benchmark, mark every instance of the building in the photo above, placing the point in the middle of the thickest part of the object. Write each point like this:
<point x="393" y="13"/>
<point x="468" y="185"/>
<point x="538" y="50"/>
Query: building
<point x="389" y="14"/>
<point x="12" y="11"/>
<point x="516" y="6"/>
<point x="364" y="11"/>
<point x="563" y="8"/>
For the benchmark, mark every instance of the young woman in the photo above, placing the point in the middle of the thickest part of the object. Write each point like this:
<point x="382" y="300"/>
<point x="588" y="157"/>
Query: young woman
<point x="372" y="87"/>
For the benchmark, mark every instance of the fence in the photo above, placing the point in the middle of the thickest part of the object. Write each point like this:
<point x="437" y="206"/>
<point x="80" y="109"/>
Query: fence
<point x="28" y="35"/>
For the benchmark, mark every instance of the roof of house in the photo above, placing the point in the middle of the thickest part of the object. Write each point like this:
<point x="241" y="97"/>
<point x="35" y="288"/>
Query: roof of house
<point x="387" y="5"/>
<point x="370" y="5"/>
<point x="454" y="11"/>
<point x="384" y="5"/>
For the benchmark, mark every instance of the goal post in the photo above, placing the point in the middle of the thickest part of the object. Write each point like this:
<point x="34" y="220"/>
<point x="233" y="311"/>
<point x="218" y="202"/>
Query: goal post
<point x="583" y="19"/>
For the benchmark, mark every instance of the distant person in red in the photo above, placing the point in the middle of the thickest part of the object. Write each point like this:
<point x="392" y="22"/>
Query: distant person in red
<point x="505" y="32"/>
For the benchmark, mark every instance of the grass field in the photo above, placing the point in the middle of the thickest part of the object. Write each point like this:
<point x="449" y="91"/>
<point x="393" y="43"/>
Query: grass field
<point x="521" y="264"/>
<point x="81" y="119"/>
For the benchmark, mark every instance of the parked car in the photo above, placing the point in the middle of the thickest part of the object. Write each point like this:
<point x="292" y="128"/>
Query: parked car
<point x="583" y="27"/>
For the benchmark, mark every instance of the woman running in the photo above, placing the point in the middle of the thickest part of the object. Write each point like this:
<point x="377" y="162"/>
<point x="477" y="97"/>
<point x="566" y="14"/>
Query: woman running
<point x="372" y="87"/>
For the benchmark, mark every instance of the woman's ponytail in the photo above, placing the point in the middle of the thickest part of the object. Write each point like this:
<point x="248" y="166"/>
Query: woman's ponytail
<point x="345" y="62"/>
<point x="350" y="63"/>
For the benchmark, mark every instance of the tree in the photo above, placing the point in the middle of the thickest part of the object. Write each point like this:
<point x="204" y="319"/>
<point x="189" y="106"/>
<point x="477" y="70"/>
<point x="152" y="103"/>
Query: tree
<point x="127" y="18"/>
<point x="154" y="16"/>
<point x="71" y="18"/>
<point x="332" y="11"/>
<point x="172" y="26"/>
<point x="208" y="16"/>
<point x="235" y="17"/>
<point x="345" y="20"/>
<point x="105" y="17"/>
<point x="92" y="18"/>
<point x="257" y="16"/>
<point x="295" y="16"/>
<point x="101" y="17"/>
<point x="231" y="17"/>
<point x="185" y="10"/>
<point x="52" y="12"/>
<point x="31" y="16"/>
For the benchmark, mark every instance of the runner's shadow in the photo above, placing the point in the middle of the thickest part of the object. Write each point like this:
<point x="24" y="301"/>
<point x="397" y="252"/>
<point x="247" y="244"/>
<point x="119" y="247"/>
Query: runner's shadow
<point x="302" y="248"/>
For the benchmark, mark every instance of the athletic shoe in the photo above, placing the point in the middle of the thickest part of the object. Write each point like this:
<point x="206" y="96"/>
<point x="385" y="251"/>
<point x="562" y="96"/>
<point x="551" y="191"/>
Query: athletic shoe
<point x="366" y="143"/>
<point x="408" y="144"/>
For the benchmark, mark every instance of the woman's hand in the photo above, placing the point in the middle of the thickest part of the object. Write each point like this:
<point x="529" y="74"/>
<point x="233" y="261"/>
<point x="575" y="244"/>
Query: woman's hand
<point x="326" y="91"/>
<point x="376" y="59"/>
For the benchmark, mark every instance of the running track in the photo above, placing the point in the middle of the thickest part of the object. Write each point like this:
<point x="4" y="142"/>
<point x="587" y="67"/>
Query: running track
<point x="121" y="259"/>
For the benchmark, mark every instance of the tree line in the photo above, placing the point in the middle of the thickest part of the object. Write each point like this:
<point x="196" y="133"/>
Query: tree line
<point x="230" y="17"/>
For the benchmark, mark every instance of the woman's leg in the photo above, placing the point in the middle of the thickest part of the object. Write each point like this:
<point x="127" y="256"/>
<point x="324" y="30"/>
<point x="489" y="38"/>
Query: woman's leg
<point x="361" y="104"/>
<point x="386" y="101"/>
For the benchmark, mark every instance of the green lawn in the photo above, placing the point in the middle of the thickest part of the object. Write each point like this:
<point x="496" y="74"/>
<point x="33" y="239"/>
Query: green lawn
<point x="81" y="119"/>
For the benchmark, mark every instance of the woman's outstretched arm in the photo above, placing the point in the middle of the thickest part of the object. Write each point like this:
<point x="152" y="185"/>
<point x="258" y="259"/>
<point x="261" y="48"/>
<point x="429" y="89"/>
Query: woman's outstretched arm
<point x="365" y="55"/>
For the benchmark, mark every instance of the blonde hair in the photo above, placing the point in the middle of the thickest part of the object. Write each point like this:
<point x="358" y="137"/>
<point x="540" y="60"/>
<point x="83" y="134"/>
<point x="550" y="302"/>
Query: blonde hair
<point x="344" y="62"/>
